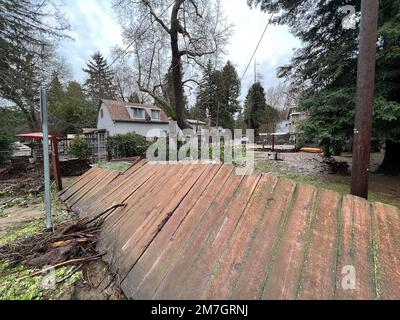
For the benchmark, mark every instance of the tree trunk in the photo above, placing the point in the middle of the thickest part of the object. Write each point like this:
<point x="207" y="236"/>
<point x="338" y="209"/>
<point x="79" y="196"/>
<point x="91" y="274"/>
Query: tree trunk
<point x="31" y="118"/>
<point x="34" y="121"/>
<point x="391" y="163"/>
<point x="176" y="68"/>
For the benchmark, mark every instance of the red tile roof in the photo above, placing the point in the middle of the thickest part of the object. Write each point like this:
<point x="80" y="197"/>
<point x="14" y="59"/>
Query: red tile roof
<point x="119" y="111"/>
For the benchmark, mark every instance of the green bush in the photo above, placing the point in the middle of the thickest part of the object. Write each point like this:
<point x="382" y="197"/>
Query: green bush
<point x="5" y="147"/>
<point x="216" y="152"/>
<point x="127" y="145"/>
<point x="79" y="148"/>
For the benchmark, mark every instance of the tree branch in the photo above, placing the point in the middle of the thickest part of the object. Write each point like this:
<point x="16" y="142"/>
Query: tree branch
<point x="155" y="16"/>
<point x="169" y="110"/>
<point x="191" y="80"/>
<point x="196" y="8"/>
<point x="192" y="53"/>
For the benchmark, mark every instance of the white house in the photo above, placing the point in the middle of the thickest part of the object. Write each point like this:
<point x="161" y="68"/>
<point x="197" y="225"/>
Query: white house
<point x="118" y="117"/>
<point x="198" y="126"/>
<point x="294" y="118"/>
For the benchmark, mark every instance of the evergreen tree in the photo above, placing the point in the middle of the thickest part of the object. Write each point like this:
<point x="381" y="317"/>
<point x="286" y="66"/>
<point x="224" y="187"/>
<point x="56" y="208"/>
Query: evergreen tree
<point x="328" y="65"/>
<point x="70" y="111"/>
<point x="230" y="92"/>
<point x="26" y="48"/>
<point x="219" y="94"/>
<point x="56" y="95"/>
<point x="100" y="82"/>
<point x="78" y="112"/>
<point x="240" y="121"/>
<point x="207" y="97"/>
<point x="257" y="114"/>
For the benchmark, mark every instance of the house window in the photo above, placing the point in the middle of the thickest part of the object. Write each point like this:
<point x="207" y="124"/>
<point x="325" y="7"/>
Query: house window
<point x="155" y="114"/>
<point x="138" y="113"/>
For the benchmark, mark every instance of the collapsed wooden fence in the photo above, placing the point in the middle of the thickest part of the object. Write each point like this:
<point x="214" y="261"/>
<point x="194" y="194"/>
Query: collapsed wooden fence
<point x="202" y="232"/>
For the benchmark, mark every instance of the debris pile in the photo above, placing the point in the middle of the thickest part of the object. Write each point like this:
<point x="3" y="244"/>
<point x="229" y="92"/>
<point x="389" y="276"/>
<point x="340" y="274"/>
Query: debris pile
<point x="22" y="177"/>
<point x="70" y="243"/>
<point x="335" y="167"/>
<point x="73" y="168"/>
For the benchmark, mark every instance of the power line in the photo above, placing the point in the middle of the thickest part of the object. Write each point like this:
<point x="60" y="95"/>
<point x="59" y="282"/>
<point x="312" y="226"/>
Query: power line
<point x="142" y="33"/>
<point x="258" y="45"/>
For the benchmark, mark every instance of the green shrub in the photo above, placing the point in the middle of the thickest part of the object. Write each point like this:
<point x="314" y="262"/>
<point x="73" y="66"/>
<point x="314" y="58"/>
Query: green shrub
<point x="127" y="145"/>
<point x="79" y="148"/>
<point x="5" y="147"/>
<point x="216" y="152"/>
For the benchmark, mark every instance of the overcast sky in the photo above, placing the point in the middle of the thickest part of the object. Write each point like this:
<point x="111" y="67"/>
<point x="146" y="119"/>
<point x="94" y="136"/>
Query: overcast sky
<point x="94" y="28"/>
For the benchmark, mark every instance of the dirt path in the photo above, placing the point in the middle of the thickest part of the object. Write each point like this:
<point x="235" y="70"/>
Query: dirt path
<point x="17" y="216"/>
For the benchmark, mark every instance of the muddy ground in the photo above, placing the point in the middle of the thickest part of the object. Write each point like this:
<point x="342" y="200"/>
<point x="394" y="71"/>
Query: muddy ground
<point x="97" y="283"/>
<point x="313" y="167"/>
<point x="22" y="207"/>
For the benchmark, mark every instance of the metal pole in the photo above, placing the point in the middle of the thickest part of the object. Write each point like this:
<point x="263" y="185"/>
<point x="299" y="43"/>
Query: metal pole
<point x="364" y="98"/>
<point x="46" y="158"/>
<point x="56" y="163"/>
<point x="218" y="115"/>
<point x="273" y="142"/>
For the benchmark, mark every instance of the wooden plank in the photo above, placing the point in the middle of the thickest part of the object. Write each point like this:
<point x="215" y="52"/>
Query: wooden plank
<point x="146" y="233"/>
<point x="283" y="281"/>
<point x="80" y="183"/>
<point x="126" y="221"/>
<point x="137" y="198"/>
<point x="319" y="273"/>
<point x="355" y="251"/>
<point x="161" y="267"/>
<point x="98" y="187"/>
<point x="208" y="242"/>
<point x="121" y="189"/>
<point x="142" y="208"/>
<point x="242" y="269"/>
<point x="137" y="275"/>
<point x="387" y="238"/>
<point x="101" y="175"/>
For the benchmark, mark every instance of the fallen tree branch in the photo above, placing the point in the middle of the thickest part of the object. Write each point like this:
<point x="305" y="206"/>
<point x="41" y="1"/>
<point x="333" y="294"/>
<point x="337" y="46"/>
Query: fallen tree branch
<point x="69" y="241"/>
<point x="63" y="264"/>
<point x="70" y="274"/>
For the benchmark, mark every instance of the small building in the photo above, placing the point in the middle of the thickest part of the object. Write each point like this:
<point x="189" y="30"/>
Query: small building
<point x="198" y="126"/>
<point x="118" y="117"/>
<point x="294" y="117"/>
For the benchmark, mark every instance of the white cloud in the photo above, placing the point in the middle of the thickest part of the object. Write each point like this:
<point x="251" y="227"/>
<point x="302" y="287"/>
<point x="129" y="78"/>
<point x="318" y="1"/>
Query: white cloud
<point x="275" y="49"/>
<point x="93" y="29"/>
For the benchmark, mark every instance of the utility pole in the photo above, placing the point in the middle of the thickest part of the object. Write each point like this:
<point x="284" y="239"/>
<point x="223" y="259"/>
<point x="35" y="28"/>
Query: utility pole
<point x="255" y="70"/>
<point x="364" y="98"/>
<point x="46" y="158"/>
<point x="218" y="115"/>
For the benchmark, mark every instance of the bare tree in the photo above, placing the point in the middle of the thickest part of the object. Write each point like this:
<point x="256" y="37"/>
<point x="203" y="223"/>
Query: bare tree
<point x="284" y="96"/>
<point x="172" y="38"/>
<point x="125" y="76"/>
<point x="276" y="96"/>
